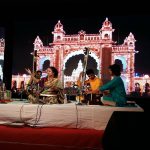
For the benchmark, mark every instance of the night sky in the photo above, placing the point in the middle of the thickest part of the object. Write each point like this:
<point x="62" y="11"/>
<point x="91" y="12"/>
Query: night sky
<point x="40" y="19"/>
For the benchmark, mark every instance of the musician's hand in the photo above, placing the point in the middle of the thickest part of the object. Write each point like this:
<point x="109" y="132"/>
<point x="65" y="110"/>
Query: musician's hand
<point x="46" y="84"/>
<point x="106" y="92"/>
<point x="88" y="92"/>
<point x="55" y="88"/>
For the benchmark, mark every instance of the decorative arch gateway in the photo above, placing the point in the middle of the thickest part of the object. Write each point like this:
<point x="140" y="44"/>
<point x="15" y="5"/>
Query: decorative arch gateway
<point x="75" y="73"/>
<point x="103" y="50"/>
<point x="78" y="52"/>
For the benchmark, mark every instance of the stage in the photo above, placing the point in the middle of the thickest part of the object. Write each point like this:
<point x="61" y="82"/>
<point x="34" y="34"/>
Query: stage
<point x="55" y="127"/>
<point x="68" y="115"/>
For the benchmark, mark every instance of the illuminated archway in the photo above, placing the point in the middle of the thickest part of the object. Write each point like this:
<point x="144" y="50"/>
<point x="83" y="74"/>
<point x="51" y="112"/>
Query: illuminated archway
<point x="41" y="62"/>
<point x="78" y="53"/>
<point x="75" y="72"/>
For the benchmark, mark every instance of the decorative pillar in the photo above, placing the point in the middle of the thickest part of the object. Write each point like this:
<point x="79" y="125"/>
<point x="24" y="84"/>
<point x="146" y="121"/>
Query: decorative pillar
<point x="106" y="62"/>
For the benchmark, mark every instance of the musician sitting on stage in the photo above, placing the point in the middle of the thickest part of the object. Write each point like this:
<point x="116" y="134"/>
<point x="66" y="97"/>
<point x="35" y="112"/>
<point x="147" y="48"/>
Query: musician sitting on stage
<point x="114" y="91"/>
<point x="52" y="87"/>
<point x="33" y="85"/>
<point x="92" y="85"/>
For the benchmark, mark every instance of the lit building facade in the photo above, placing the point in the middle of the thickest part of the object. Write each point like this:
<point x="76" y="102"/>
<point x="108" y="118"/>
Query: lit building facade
<point x="103" y="50"/>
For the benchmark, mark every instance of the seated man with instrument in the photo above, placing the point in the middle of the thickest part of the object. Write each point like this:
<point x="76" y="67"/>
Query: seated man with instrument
<point x="91" y="87"/>
<point x="33" y="85"/>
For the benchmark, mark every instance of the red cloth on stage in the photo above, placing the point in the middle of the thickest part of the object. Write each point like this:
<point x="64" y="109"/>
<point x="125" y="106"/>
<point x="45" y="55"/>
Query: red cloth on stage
<point x="26" y="138"/>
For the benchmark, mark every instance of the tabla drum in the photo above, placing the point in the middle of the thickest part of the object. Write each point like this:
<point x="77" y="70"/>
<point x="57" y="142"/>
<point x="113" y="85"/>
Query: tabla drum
<point x="93" y="99"/>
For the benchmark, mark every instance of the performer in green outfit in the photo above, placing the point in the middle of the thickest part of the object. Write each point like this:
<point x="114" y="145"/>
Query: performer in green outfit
<point x="114" y="93"/>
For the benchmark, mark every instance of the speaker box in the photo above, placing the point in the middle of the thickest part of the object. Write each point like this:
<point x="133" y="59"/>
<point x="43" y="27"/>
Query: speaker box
<point x="127" y="131"/>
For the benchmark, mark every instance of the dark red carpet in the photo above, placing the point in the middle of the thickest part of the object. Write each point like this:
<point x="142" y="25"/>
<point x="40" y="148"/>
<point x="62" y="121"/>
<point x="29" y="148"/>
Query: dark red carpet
<point x="26" y="138"/>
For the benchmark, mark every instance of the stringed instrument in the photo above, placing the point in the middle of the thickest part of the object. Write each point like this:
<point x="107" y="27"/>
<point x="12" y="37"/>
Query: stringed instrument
<point x="86" y="55"/>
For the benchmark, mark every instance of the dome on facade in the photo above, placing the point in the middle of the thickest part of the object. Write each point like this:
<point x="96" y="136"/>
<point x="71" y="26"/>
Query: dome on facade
<point x="59" y="26"/>
<point x="107" y="23"/>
